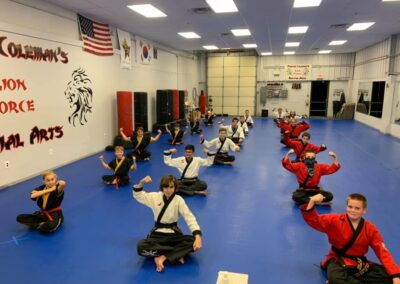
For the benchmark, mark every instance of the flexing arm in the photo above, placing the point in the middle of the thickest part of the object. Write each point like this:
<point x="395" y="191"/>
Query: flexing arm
<point x="107" y="167"/>
<point x="155" y="139"/>
<point x="121" y="131"/>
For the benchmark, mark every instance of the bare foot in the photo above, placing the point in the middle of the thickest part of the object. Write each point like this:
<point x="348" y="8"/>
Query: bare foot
<point x="159" y="261"/>
<point x="147" y="159"/>
<point x="203" y="192"/>
<point x="181" y="260"/>
<point x="228" y="163"/>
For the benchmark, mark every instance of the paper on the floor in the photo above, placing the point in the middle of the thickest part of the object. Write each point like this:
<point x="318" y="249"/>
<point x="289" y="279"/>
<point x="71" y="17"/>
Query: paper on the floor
<point x="226" y="277"/>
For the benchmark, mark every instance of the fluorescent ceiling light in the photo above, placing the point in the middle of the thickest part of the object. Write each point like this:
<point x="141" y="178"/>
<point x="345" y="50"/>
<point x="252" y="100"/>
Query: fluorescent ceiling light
<point x="249" y="45"/>
<point x="266" y="53"/>
<point x="241" y="32"/>
<point x="306" y="3"/>
<point x="360" y="26"/>
<point x="222" y="6"/>
<point x="289" y="52"/>
<point x="390" y="0"/>
<point x="298" y="30"/>
<point x="324" y="51"/>
<point x="147" y="10"/>
<point x="225" y="48"/>
<point x="290" y="44"/>
<point x="189" y="35"/>
<point x="210" y="47"/>
<point x="337" y="42"/>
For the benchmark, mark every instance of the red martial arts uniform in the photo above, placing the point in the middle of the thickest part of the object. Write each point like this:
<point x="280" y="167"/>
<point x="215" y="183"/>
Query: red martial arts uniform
<point x="300" y="170"/>
<point x="300" y="149"/>
<point x="295" y="131"/>
<point x="305" y="191"/>
<point x="340" y="230"/>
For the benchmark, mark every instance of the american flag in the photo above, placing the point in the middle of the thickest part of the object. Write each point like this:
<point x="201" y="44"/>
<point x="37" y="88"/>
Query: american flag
<point x="96" y="37"/>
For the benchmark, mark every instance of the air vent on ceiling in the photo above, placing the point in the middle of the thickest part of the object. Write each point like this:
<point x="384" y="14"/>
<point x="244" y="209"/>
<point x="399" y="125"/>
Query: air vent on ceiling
<point x="200" y="11"/>
<point x="339" y="26"/>
<point x="315" y="49"/>
<point x="225" y="34"/>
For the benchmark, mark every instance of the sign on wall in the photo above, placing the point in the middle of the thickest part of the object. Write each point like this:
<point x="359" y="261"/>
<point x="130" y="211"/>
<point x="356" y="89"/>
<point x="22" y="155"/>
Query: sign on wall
<point x="298" y="72"/>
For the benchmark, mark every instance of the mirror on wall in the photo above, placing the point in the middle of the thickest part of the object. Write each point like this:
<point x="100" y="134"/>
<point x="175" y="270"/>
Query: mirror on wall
<point x="370" y="98"/>
<point x="396" y="110"/>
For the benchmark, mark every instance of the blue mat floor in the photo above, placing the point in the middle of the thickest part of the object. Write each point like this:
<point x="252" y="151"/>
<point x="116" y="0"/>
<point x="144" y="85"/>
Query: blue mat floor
<point x="249" y="222"/>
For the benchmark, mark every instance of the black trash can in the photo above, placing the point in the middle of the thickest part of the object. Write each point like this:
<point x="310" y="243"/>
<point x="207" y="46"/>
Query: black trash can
<point x="264" y="113"/>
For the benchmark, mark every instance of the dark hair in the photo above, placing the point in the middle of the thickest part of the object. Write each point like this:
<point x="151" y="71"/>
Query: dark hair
<point x="222" y="129"/>
<point x="359" y="197"/>
<point x="167" y="180"/>
<point x="139" y="128"/>
<point x="306" y="134"/>
<point x="235" y="118"/>
<point x="189" y="147"/>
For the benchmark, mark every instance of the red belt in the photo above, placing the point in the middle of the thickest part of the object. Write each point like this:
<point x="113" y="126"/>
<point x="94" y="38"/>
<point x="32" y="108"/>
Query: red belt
<point x="47" y="212"/>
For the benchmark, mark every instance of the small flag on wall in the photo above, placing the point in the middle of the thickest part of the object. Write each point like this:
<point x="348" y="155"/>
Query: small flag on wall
<point x="96" y="37"/>
<point x="125" y="46"/>
<point x="144" y="51"/>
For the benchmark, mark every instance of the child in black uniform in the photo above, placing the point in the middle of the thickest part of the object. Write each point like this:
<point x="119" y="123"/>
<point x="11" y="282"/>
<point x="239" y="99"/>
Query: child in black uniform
<point x="48" y="197"/>
<point x="120" y="165"/>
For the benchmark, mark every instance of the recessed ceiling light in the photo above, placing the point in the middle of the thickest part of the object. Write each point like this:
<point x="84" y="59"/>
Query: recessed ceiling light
<point x="147" y="10"/>
<point x="266" y="53"/>
<point x="222" y="6"/>
<point x="289" y="52"/>
<point x="298" y="30"/>
<point x="189" y="35"/>
<point x="360" y="26"/>
<point x="241" y="32"/>
<point x="324" y="51"/>
<point x="306" y="3"/>
<point x="210" y="47"/>
<point x="337" y="42"/>
<point x="290" y="44"/>
<point x="249" y="45"/>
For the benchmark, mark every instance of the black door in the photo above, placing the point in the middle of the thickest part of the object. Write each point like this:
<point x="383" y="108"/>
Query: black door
<point x="319" y="98"/>
<point x="378" y="91"/>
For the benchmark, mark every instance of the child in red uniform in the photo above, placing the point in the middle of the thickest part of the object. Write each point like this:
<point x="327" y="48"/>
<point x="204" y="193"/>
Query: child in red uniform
<point x="351" y="236"/>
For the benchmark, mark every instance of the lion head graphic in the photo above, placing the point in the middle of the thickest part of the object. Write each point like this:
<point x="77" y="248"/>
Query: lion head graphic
<point x="79" y="94"/>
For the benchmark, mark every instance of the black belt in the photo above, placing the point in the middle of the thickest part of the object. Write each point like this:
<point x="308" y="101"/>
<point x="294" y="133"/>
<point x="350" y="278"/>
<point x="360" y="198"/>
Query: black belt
<point x="189" y="179"/>
<point x="165" y="226"/>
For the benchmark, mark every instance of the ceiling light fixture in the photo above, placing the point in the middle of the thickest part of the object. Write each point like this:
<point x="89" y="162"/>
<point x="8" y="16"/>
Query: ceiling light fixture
<point x="292" y="44"/>
<point x="241" y="32"/>
<point x="222" y="6"/>
<point x="189" y="35"/>
<point x="210" y="47"/>
<point x="289" y="52"/>
<point x="147" y="10"/>
<point x="298" y="30"/>
<point x="337" y="42"/>
<point x="360" y="26"/>
<point x="306" y="3"/>
<point x="250" y="45"/>
<point x="324" y="51"/>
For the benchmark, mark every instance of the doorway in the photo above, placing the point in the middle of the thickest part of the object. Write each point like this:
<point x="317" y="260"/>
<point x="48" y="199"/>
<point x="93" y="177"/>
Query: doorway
<point x="319" y="98"/>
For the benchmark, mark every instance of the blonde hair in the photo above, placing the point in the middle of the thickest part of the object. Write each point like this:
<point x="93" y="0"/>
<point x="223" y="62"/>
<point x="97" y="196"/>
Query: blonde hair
<point x="48" y="173"/>
<point x="119" y="148"/>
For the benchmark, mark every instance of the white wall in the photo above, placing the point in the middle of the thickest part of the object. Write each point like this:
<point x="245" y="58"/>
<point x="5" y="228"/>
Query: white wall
<point x="373" y="64"/>
<point x="336" y="68"/>
<point x="50" y="27"/>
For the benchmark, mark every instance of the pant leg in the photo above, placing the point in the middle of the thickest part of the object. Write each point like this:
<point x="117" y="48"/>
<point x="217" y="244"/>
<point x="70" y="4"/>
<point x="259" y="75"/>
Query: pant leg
<point x="190" y="188"/>
<point x="31" y="220"/>
<point x="300" y="196"/>
<point x="51" y="226"/>
<point x="328" y="196"/>
<point x="376" y="275"/>
<point x="182" y="246"/>
<point x="337" y="274"/>
<point x="220" y="159"/>
<point x="108" y="179"/>
<point x="123" y="180"/>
